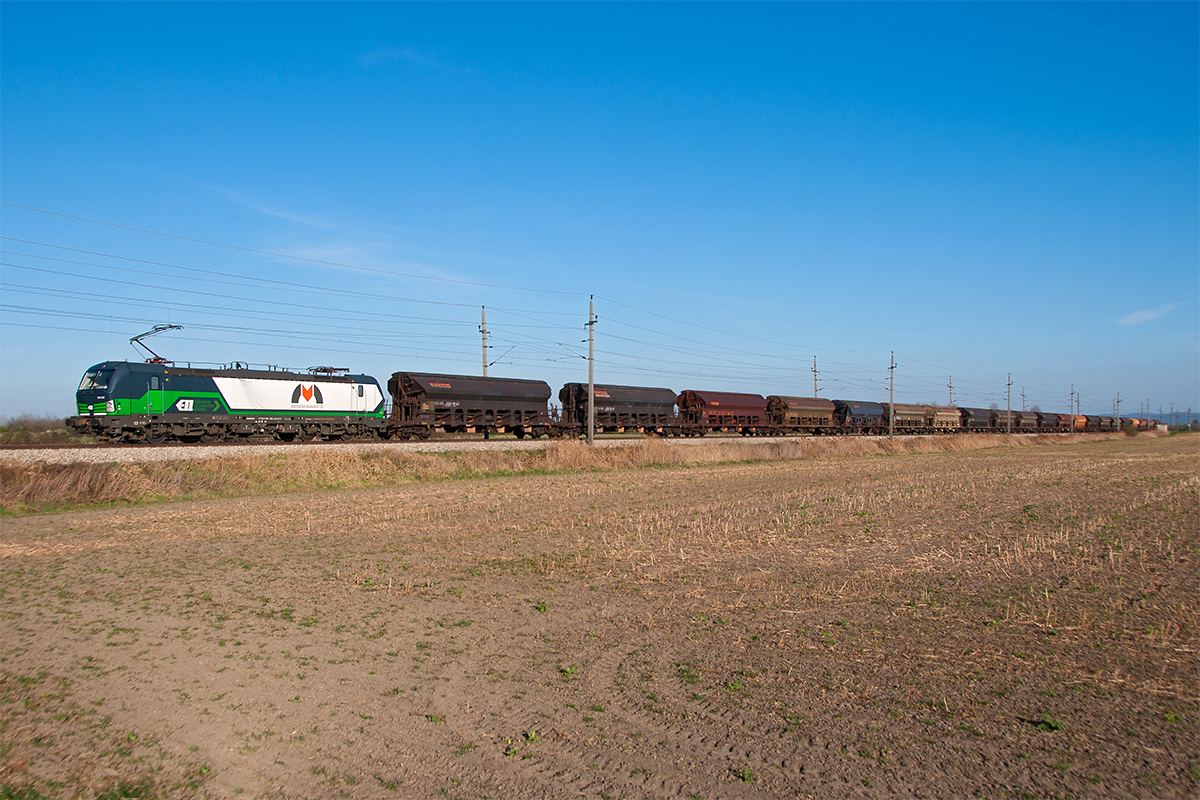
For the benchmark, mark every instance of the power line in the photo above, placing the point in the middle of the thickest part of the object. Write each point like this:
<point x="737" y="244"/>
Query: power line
<point x="287" y="285"/>
<point x="323" y="262"/>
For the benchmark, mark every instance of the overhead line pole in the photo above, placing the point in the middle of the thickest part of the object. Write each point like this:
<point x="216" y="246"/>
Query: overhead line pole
<point x="950" y="385"/>
<point x="591" y="325"/>
<point x="1008" y="417"/>
<point x="892" y="397"/>
<point x="814" y="376"/>
<point x="483" y="329"/>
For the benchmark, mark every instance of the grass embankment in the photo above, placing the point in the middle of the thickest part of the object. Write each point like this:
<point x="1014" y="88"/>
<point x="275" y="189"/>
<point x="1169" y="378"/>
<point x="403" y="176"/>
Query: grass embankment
<point x="31" y="487"/>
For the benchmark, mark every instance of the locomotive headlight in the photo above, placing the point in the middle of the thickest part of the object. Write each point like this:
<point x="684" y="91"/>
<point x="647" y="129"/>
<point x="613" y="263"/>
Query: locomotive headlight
<point x="110" y="406"/>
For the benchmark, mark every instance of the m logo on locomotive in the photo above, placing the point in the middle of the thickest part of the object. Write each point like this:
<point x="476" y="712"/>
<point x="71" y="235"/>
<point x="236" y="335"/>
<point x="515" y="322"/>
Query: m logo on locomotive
<point x="311" y="394"/>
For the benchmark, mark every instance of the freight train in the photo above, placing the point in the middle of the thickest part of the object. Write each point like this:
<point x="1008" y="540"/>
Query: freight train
<point x="119" y="401"/>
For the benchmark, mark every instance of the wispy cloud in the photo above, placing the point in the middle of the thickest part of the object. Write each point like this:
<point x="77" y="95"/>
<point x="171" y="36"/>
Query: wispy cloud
<point x="352" y="246"/>
<point x="411" y="55"/>
<point x="1138" y="317"/>
<point x="280" y="213"/>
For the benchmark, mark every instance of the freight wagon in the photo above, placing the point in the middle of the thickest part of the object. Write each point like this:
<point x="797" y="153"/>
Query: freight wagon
<point x="423" y="402"/>
<point x="800" y="415"/>
<point x="618" y="409"/>
<point x="701" y="412"/>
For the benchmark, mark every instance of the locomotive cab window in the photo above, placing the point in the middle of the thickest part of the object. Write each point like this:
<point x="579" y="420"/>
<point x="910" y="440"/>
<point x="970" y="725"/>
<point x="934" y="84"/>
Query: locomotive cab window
<point x="95" y="379"/>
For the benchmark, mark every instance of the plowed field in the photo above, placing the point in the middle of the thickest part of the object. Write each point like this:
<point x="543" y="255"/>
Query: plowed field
<point x="1000" y="623"/>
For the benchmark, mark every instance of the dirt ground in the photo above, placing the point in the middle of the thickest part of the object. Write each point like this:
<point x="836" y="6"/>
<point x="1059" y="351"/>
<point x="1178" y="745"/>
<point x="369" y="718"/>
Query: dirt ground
<point x="999" y="623"/>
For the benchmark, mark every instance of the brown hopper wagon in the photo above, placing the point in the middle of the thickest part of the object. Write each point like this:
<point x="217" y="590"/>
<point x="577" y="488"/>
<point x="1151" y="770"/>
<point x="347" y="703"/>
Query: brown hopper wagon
<point x="800" y="414"/>
<point x="905" y="418"/>
<point x="943" y="419"/>
<point x="700" y="412"/>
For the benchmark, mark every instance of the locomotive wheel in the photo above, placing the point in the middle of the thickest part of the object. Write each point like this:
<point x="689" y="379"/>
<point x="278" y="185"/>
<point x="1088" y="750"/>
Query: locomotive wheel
<point x="307" y="435"/>
<point x="157" y="437"/>
<point x="209" y="438"/>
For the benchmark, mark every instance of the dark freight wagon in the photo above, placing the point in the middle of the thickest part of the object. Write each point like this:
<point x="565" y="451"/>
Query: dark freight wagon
<point x="800" y="414"/>
<point x="1053" y="423"/>
<point x="700" y="412"/>
<point x="422" y="402"/>
<point x="859" y="416"/>
<point x="618" y="408"/>
<point x="977" y="420"/>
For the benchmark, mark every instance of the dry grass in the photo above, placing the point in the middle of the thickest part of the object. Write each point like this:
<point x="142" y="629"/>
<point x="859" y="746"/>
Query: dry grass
<point x="964" y="622"/>
<point x="26" y="487"/>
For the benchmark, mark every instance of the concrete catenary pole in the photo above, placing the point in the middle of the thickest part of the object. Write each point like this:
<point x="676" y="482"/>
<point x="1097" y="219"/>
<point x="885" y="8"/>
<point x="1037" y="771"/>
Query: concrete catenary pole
<point x="892" y="397"/>
<point x="950" y="386"/>
<point x="483" y="330"/>
<point x="591" y="371"/>
<point x="1008" y="417"/>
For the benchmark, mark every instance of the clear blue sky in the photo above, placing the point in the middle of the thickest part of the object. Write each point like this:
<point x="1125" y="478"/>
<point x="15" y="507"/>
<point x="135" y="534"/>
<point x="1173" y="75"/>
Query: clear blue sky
<point x="981" y="188"/>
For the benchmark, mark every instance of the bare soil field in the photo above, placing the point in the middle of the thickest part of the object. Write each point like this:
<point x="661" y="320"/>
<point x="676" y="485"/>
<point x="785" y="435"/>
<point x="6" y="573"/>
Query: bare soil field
<point x="1014" y="622"/>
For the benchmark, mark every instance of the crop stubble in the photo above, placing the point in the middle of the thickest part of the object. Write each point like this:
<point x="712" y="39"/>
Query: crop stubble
<point x="1000" y="623"/>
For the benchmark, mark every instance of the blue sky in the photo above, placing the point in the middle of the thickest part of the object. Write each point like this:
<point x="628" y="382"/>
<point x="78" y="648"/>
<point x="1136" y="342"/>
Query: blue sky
<point x="983" y="189"/>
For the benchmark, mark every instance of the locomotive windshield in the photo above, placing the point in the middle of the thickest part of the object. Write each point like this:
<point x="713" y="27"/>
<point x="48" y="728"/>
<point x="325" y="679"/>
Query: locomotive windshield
<point x="96" y="379"/>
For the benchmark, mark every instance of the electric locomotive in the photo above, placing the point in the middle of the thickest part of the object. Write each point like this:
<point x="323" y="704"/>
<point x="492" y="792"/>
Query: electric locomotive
<point x="120" y="401"/>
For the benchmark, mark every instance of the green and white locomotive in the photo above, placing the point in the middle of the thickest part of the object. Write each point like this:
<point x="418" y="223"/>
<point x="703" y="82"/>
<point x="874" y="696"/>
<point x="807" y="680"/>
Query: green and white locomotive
<point x="120" y="401"/>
